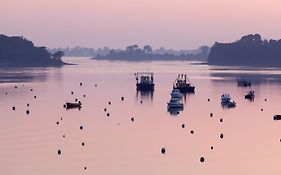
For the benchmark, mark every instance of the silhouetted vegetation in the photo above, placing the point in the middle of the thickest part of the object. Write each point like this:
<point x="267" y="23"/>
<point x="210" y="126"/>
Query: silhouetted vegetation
<point x="250" y="50"/>
<point x="17" y="51"/>
<point x="134" y="52"/>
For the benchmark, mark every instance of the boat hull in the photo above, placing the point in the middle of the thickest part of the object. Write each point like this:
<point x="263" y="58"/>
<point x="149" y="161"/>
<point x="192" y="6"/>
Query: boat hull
<point x="190" y="89"/>
<point x="73" y="105"/>
<point x="145" y="87"/>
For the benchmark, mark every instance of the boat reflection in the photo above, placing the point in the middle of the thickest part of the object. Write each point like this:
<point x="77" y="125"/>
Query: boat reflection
<point x="144" y="95"/>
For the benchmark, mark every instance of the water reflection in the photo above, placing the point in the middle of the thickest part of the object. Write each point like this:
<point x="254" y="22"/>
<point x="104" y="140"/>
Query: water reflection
<point x="144" y="95"/>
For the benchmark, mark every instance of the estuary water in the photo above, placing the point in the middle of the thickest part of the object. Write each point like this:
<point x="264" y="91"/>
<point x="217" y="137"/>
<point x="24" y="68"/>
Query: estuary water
<point x="91" y="142"/>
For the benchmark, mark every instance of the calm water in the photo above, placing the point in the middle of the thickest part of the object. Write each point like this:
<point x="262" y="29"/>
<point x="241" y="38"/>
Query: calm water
<point x="115" y="145"/>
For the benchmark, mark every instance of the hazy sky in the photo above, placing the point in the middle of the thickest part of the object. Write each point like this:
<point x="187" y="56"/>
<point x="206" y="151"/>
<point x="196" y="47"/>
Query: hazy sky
<point x="178" y="24"/>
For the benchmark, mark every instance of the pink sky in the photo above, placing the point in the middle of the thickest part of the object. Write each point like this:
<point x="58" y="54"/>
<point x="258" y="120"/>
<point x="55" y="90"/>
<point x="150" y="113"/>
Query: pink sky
<point x="178" y="24"/>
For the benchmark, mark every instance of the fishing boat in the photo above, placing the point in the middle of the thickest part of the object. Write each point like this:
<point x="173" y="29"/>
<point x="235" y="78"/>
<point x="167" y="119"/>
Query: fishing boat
<point x="226" y="101"/>
<point x="73" y="105"/>
<point x="176" y="94"/>
<point x="183" y="84"/>
<point x="175" y="103"/>
<point x="250" y="95"/>
<point x="144" y="81"/>
<point x="243" y="83"/>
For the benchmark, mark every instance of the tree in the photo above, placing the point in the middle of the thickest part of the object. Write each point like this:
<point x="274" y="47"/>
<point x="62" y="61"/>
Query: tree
<point x="147" y="49"/>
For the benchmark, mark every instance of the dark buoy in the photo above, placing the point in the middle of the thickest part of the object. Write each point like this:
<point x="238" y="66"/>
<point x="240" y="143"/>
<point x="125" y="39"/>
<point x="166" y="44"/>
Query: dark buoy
<point x="212" y="147"/>
<point x="132" y="119"/>
<point x="221" y="120"/>
<point x="202" y="159"/>
<point x="27" y="104"/>
<point x="104" y="109"/>
<point x="64" y="106"/>
<point x="84" y="95"/>
<point x="261" y="109"/>
<point x="122" y="98"/>
<point x="14" y="108"/>
<point x="265" y="99"/>
<point x="6" y="93"/>
<point x="192" y="132"/>
<point x="183" y="125"/>
<point x="81" y="127"/>
<point x="96" y="85"/>
<point x="109" y="103"/>
<point x="141" y="101"/>
<point x="163" y="150"/>
<point x="58" y="123"/>
<point x="31" y="89"/>
<point x="221" y="136"/>
<point x="83" y="144"/>
<point x="85" y="168"/>
<point x="27" y="112"/>
<point x="16" y="87"/>
<point x="211" y="114"/>
<point x="59" y="152"/>
<point x="107" y="114"/>
<point x="209" y="99"/>
<point x="63" y="136"/>
<point x="76" y="99"/>
<point x="81" y="84"/>
<point x="35" y="96"/>
<point x="71" y="92"/>
<point x="61" y="118"/>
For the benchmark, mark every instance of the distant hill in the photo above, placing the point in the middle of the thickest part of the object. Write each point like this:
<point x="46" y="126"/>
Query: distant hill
<point x="17" y="51"/>
<point x="135" y="52"/>
<point x="250" y="50"/>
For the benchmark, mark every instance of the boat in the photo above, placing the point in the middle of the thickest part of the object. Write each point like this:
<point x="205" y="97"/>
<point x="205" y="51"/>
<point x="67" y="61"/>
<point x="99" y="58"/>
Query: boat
<point x="243" y="83"/>
<point x="73" y="105"/>
<point x="176" y="94"/>
<point x="225" y="101"/>
<point x="183" y="84"/>
<point x="250" y="95"/>
<point x="225" y="98"/>
<point x="144" y="81"/>
<point x="175" y="103"/>
<point x="277" y="117"/>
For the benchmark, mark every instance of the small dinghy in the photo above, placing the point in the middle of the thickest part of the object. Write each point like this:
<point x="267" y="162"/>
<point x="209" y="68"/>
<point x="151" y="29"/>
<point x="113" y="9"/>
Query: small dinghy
<point x="73" y="105"/>
<point x="250" y="95"/>
<point x="225" y="101"/>
<point x="277" y="117"/>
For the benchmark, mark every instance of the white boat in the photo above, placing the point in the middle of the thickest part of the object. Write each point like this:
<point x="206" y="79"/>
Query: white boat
<point x="176" y="94"/>
<point x="225" y="101"/>
<point x="175" y="103"/>
<point x="225" y="98"/>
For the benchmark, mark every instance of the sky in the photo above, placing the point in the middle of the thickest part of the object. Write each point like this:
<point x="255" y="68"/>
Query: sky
<point x="176" y="24"/>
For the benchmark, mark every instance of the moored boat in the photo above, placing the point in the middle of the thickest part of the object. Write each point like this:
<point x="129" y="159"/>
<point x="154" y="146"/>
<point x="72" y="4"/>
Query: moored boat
<point x="243" y="83"/>
<point x="225" y="101"/>
<point x="145" y="81"/>
<point x="183" y="84"/>
<point x="73" y="105"/>
<point x="250" y="95"/>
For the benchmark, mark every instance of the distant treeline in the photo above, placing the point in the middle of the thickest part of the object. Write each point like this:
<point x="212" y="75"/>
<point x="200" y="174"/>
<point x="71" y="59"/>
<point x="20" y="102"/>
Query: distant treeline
<point x="18" y="51"/>
<point x="250" y="50"/>
<point x="135" y="52"/>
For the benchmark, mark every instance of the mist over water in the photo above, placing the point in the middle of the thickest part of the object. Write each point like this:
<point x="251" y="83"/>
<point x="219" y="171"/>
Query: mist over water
<point x="116" y="145"/>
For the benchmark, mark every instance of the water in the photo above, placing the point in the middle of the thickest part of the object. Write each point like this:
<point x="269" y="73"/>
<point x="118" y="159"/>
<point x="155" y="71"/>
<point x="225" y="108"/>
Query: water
<point x="115" y="145"/>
